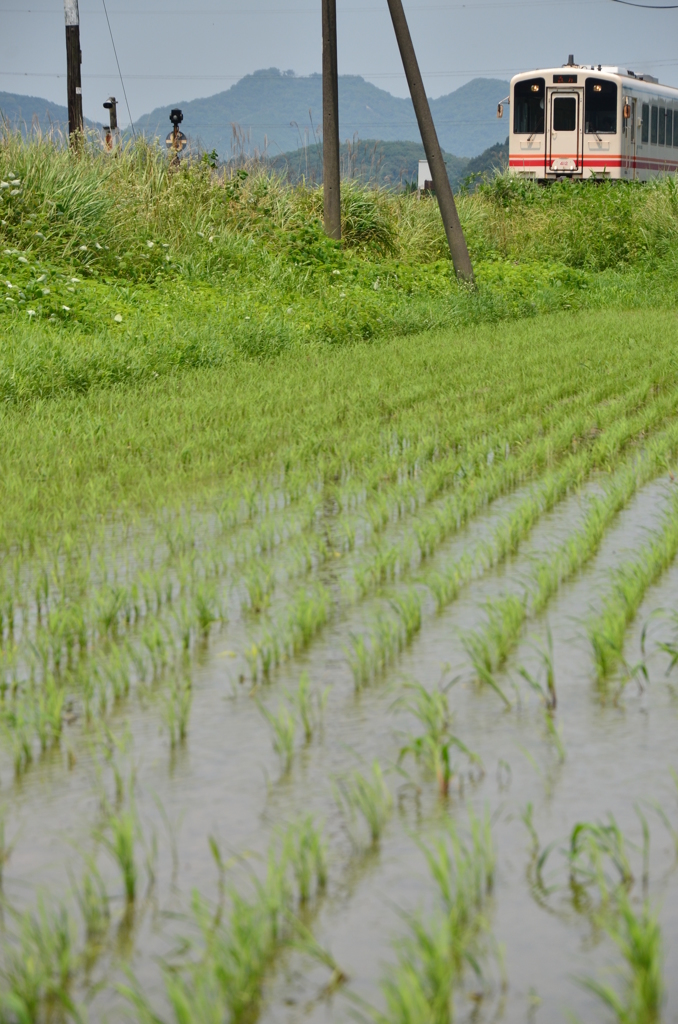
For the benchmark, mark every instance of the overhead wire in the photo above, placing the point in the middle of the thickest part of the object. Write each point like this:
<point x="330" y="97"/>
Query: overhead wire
<point x="122" y="82"/>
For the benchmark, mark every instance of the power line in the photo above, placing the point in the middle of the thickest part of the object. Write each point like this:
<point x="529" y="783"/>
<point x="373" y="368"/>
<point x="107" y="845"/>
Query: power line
<point x="122" y="83"/>
<point x="313" y="11"/>
<point x="648" y="7"/>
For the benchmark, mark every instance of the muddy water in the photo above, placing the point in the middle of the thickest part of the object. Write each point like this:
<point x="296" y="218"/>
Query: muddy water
<point x="226" y="782"/>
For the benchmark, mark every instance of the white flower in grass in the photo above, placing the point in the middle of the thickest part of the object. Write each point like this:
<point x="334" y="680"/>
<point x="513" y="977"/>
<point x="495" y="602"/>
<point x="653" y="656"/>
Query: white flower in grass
<point x="15" y="192"/>
<point x="5" y="184"/>
<point x="31" y="312"/>
<point x="118" y="318"/>
<point x="150" y="244"/>
<point x="83" y="248"/>
<point x="43" y="277"/>
<point x="75" y="280"/>
<point x="22" y="259"/>
<point x="97" y="246"/>
<point x="66" y="308"/>
<point x="45" y="291"/>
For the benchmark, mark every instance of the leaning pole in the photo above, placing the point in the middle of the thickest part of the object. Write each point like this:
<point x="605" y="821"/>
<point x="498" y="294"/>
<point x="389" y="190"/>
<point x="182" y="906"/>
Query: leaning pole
<point x="441" y="183"/>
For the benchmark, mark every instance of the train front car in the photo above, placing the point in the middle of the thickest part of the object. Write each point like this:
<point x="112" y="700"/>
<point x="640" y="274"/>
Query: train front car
<point x="592" y="122"/>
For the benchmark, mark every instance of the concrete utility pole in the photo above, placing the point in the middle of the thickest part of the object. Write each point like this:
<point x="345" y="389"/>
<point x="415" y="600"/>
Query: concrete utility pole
<point x="331" y="155"/>
<point x="76" y="123"/>
<point x="429" y="136"/>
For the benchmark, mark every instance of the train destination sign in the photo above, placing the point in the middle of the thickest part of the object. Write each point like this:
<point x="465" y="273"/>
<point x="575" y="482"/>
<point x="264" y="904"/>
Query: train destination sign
<point x="564" y="79"/>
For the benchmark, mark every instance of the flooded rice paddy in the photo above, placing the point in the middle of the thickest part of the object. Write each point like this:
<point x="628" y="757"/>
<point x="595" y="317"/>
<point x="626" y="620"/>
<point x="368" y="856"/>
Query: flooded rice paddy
<point x="183" y="662"/>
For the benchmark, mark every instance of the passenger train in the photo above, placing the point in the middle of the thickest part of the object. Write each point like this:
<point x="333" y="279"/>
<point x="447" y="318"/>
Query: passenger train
<point x="581" y="121"/>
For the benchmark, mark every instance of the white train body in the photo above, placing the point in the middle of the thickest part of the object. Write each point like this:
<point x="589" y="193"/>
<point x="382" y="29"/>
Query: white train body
<point x="592" y="122"/>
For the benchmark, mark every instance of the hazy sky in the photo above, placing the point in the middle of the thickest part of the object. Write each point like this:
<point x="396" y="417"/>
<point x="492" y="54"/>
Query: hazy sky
<point x="173" y="50"/>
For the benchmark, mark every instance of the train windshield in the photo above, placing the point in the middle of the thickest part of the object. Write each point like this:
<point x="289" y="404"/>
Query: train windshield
<point x="528" y="107"/>
<point x="601" y="107"/>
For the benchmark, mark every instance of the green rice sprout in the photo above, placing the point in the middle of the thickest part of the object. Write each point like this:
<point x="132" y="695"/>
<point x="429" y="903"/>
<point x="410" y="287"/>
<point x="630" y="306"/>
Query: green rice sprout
<point x="369" y="797"/>
<point x="637" y="935"/>
<point x="118" y="836"/>
<point x="433" y="749"/>
<point x="283" y="727"/>
<point x="433" y="954"/>
<point x="177" y="702"/>
<point x="309" y="704"/>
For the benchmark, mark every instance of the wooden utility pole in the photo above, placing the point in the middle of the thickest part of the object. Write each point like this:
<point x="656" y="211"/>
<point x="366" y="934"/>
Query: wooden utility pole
<point x="429" y="136"/>
<point x="76" y="123"/>
<point x="331" y="155"/>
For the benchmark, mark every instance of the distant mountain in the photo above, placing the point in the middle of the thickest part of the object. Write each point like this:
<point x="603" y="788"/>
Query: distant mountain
<point x="25" y="112"/>
<point x="392" y="164"/>
<point x="273" y="112"/>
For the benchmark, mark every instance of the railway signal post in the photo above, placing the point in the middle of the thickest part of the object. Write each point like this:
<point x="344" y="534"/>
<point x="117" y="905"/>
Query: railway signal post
<point x="441" y="183"/>
<point x="73" y="62"/>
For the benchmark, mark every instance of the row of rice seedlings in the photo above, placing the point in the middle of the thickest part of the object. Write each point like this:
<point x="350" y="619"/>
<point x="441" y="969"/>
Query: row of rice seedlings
<point x="371" y="653"/>
<point x="489" y="647"/>
<point x="238" y="948"/>
<point x="303" y="708"/>
<point x="629" y="584"/>
<point x="291" y="633"/>
<point x="432" y="531"/>
<point x="434" y="954"/>
<point x="110" y="618"/>
<point x="189" y="542"/>
<point x="433" y="750"/>
<point x="367" y="796"/>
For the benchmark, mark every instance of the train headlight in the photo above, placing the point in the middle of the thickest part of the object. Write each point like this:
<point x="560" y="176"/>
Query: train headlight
<point x="535" y="88"/>
<point x="597" y="88"/>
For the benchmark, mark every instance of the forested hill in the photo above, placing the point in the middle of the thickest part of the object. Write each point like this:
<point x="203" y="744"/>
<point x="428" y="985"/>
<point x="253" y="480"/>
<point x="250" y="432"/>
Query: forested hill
<point x="25" y="112"/>
<point x="391" y="164"/>
<point x="278" y="111"/>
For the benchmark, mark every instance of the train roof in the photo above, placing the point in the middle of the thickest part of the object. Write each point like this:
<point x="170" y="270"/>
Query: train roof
<point x="636" y="80"/>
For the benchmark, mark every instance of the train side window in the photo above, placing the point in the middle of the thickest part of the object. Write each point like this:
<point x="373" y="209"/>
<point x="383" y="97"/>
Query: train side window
<point x="662" y="126"/>
<point x="645" y="137"/>
<point x="654" y="126"/>
<point x="669" y="127"/>
<point x="601" y="107"/>
<point x="528" y="107"/>
<point x="675" y="127"/>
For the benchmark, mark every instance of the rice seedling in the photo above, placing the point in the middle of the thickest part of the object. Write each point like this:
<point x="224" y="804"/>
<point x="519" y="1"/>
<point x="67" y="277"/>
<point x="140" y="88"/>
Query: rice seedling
<point x="547" y="689"/>
<point x="433" y="955"/>
<point x="38" y="967"/>
<point x="638" y="938"/>
<point x="283" y="727"/>
<point x="433" y="750"/>
<point x="259" y="583"/>
<point x="93" y="902"/>
<point x="118" y="835"/>
<point x="369" y="797"/>
<point x="309" y="704"/>
<point x="177" y="701"/>
<point x="306" y="852"/>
